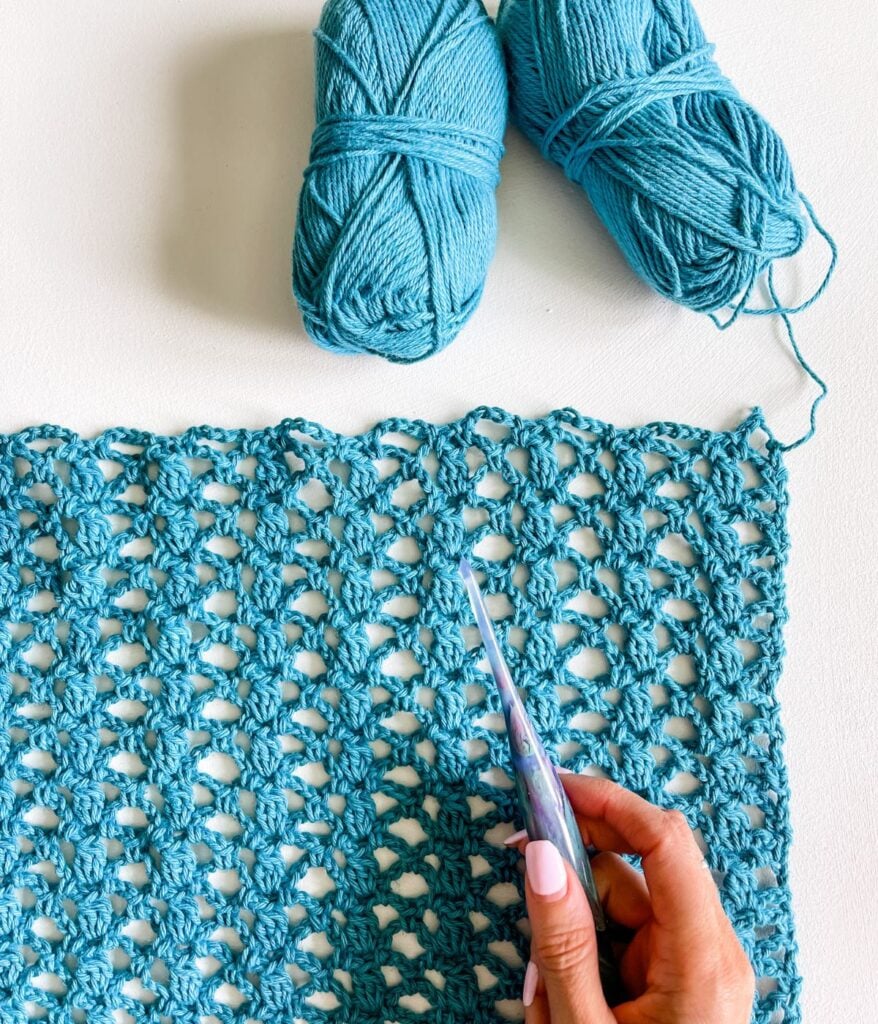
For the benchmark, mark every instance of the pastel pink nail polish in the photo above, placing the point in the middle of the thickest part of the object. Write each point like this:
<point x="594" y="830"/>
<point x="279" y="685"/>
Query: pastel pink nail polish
<point x="531" y="979"/>
<point x="546" y="870"/>
<point x="515" y="838"/>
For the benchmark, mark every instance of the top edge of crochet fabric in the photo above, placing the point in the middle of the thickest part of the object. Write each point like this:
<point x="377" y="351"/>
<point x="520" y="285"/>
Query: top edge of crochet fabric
<point x="51" y="432"/>
<point x="252" y="765"/>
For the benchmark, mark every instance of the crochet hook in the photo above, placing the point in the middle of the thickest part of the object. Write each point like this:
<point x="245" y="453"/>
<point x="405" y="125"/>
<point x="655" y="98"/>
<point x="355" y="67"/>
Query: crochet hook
<point x="544" y="805"/>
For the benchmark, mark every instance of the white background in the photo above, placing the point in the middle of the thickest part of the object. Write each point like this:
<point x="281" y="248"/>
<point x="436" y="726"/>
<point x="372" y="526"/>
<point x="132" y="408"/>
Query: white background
<point x="150" y="158"/>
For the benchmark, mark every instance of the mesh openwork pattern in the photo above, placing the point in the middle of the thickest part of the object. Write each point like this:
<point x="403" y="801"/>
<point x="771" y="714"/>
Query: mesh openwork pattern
<point x="252" y="764"/>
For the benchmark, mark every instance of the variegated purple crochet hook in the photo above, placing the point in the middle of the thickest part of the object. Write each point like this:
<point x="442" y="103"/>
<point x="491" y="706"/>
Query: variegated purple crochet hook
<point x="544" y="805"/>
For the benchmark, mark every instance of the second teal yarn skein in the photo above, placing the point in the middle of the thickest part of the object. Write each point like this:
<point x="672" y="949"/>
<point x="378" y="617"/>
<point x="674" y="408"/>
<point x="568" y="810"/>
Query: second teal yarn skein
<point x="397" y="218"/>
<point x="695" y="186"/>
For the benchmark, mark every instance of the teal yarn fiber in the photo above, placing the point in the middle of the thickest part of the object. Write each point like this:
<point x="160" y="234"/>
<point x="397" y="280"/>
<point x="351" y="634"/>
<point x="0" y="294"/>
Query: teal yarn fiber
<point x="397" y="217"/>
<point x="250" y="762"/>
<point x="694" y="185"/>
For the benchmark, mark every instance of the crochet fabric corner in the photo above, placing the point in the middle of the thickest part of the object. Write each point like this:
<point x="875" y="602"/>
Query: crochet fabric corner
<point x="252" y="767"/>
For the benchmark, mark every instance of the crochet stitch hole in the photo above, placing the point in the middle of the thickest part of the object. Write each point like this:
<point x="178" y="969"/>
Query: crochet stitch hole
<point x="484" y="978"/>
<point x="473" y="518"/>
<point x="492" y="487"/>
<point x="499" y="606"/>
<point x="407" y="944"/>
<point x="219" y="767"/>
<point x="221" y="493"/>
<point x="566" y="574"/>
<point x="610" y="579"/>
<point x="683" y="783"/>
<point x="315" y="495"/>
<point x="589" y="663"/>
<point x="49" y="982"/>
<point x="680" y="609"/>
<point x="134" y="494"/>
<point x="589" y="604"/>
<point x="229" y="995"/>
<point x="402" y="606"/>
<point x="311" y="604"/>
<point x="491" y="430"/>
<point x="765" y="877"/>
<point x="405" y="550"/>
<point x="226" y="547"/>
<point x="504" y="895"/>
<point x="401" y="664"/>
<point x="43" y="493"/>
<point x="585" y="541"/>
<point x="45" y="548"/>
<point x="415" y="678"/>
<point x="676" y="548"/>
<point x="750" y="651"/>
<point x="748" y="532"/>
<point x="408" y="494"/>
<point x="139" y="548"/>
<point x="586" y="485"/>
<point x="588" y="721"/>
<point x="519" y="460"/>
<point x="494" y="722"/>
<point x="497" y="778"/>
<point x="680" y="728"/>
<point x="510" y="1009"/>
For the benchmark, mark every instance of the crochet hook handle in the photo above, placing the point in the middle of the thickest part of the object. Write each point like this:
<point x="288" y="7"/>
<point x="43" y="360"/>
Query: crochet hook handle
<point x="546" y="810"/>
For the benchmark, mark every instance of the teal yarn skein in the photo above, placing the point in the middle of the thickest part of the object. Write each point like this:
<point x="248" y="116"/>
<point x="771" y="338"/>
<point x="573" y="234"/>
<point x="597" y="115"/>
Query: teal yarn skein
<point x="694" y="185"/>
<point x="397" y="218"/>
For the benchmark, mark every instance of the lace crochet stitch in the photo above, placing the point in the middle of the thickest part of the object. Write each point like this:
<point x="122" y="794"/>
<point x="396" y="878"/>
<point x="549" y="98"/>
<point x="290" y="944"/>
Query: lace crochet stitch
<point x="251" y="762"/>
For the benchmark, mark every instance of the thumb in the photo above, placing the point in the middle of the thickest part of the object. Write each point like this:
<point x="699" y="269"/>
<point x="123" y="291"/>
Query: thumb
<point x="563" y="943"/>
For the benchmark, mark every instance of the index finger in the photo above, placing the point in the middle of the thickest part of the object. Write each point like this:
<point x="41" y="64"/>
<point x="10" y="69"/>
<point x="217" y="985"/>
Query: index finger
<point x="681" y="888"/>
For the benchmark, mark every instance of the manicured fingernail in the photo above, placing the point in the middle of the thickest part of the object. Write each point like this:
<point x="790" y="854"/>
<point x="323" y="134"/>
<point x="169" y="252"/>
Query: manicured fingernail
<point x="531" y="979"/>
<point x="546" y="870"/>
<point x="565" y="771"/>
<point x="515" y="838"/>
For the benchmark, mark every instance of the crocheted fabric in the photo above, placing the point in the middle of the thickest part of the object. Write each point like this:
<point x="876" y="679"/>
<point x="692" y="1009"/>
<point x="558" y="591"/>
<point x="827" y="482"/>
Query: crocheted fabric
<point x="253" y="766"/>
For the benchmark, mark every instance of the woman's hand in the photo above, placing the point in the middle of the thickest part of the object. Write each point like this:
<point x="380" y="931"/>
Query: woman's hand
<point x="684" y="964"/>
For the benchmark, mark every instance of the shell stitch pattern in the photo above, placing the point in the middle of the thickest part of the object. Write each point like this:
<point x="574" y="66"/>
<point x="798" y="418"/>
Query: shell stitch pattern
<point x="251" y="763"/>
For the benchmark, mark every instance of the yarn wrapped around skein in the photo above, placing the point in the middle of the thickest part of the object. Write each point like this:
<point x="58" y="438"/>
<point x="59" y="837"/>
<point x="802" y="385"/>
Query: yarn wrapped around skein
<point x="694" y="185"/>
<point x="397" y="217"/>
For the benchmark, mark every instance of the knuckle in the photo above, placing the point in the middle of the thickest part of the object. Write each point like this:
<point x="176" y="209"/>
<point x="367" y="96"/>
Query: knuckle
<point x="730" y="983"/>
<point x="602" y="861"/>
<point x="563" y="951"/>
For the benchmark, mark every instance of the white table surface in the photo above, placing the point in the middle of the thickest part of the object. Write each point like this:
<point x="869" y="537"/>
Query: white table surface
<point x="150" y="157"/>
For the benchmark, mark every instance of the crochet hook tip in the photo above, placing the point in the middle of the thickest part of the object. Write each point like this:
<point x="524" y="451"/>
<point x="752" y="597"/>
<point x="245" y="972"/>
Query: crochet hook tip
<point x="499" y="668"/>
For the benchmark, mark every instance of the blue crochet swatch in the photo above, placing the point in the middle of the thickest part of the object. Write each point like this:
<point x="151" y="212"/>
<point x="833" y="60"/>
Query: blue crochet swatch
<point x="251" y="762"/>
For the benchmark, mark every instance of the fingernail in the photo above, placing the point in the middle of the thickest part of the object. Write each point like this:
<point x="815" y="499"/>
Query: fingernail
<point x="531" y="980"/>
<point x="546" y="869"/>
<point x="565" y="771"/>
<point x="515" y="838"/>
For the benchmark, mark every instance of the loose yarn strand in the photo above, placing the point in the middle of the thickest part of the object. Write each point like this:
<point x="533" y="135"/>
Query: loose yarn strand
<point x="806" y="366"/>
<point x="694" y="185"/>
<point x="833" y="264"/>
<point x="786" y="313"/>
